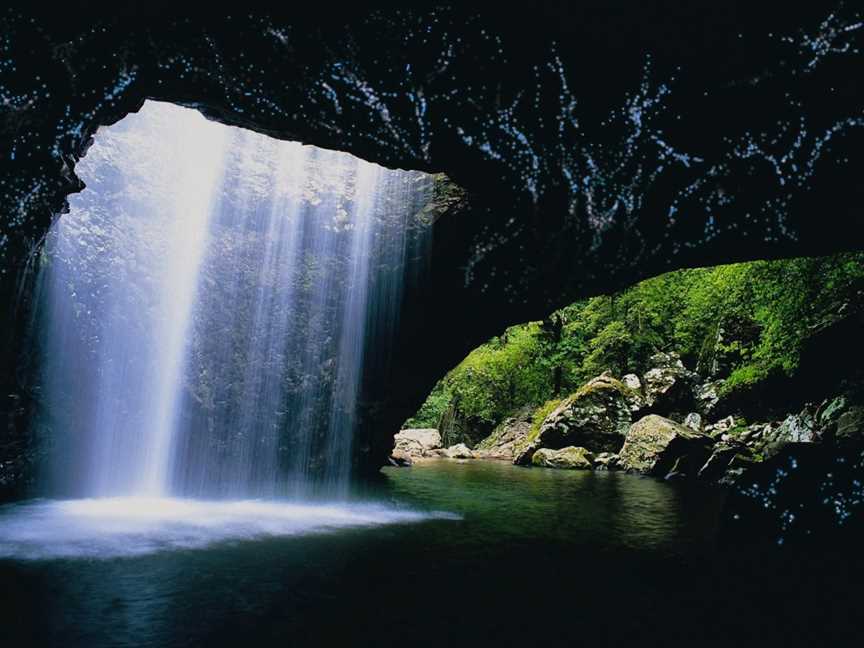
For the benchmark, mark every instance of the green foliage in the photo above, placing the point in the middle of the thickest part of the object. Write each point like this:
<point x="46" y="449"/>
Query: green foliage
<point x="429" y="414"/>
<point x="745" y="322"/>
<point x="501" y="375"/>
<point x="610" y="349"/>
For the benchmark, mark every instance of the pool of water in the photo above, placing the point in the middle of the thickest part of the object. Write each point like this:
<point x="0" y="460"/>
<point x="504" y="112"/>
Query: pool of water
<point x="446" y="553"/>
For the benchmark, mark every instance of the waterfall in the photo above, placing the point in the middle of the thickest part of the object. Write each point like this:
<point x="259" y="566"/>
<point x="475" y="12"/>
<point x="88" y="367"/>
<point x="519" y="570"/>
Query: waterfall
<point x="207" y="306"/>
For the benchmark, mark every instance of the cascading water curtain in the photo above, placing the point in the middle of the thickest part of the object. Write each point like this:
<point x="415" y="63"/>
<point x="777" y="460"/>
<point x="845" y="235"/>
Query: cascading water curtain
<point x="207" y="306"/>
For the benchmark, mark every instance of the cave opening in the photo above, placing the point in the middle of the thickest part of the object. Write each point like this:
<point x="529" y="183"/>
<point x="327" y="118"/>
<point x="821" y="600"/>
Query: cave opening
<point x="202" y="317"/>
<point x="599" y="145"/>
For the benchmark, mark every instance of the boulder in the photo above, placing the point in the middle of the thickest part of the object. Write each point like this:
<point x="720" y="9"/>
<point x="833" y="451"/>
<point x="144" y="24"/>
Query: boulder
<point x="722" y="455"/>
<point x="839" y="419"/>
<point x="596" y="417"/>
<point x="459" y="451"/>
<point x="506" y="437"/>
<point x="707" y="397"/>
<point x="850" y="426"/>
<point x="429" y="438"/>
<point x="524" y="453"/>
<point x="400" y="458"/>
<point x="736" y="469"/>
<point x="669" y="384"/>
<point x="414" y="443"/>
<point x="828" y="413"/>
<point x="634" y="392"/>
<point x="795" y="428"/>
<point x="570" y="458"/>
<point x="694" y="421"/>
<point x="798" y="428"/>
<point x="721" y="427"/>
<point x="631" y="381"/>
<point x="606" y="461"/>
<point x="752" y="434"/>
<point x="655" y="445"/>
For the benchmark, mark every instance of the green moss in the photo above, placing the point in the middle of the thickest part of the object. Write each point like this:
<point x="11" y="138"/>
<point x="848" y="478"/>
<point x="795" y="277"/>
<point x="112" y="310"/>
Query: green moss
<point x="748" y="321"/>
<point x="446" y="195"/>
<point x="745" y="377"/>
<point x="540" y="415"/>
<point x="601" y="383"/>
<point x="430" y="413"/>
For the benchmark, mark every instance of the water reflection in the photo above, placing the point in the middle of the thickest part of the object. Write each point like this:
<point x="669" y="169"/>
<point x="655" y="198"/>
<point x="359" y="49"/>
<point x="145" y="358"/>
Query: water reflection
<point x="492" y="576"/>
<point x="601" y="508"/>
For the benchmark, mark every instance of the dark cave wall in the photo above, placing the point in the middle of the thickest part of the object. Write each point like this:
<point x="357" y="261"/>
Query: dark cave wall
<point x="597" y="143"/>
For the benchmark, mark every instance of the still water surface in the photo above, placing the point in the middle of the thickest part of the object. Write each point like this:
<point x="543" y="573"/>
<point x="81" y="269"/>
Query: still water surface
<point x="447" y="553"/>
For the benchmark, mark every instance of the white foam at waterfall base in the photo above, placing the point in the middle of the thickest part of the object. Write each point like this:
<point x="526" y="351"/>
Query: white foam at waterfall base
<point x="134" y="526"/>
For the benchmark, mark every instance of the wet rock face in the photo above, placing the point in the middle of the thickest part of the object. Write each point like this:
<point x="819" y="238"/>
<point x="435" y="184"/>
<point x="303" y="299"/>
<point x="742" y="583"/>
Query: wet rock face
<point x="446" y="89"/>
<point x="391" y="86"/>
<point x="19" y="454"/>
<point x="457" y="427"/>
<point x="658" y="446"/>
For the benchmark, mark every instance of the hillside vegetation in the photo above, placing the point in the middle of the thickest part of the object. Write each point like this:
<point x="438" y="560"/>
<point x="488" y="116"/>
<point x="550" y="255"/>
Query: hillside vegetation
<point x="745" y="323"/>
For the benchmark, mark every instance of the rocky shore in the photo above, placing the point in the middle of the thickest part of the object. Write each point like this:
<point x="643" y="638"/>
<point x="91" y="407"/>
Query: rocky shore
<point x="664" y="423"/>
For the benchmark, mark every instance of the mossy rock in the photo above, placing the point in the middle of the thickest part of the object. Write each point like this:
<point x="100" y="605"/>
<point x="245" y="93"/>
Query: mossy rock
<point x="540" y="416"/>
<point x="446" y="197"/>
<point x="570" y="458"/>
<point x="525" y="449"/>
<point x="597" y="417"/>
<point x="654" y="445"/>
<point x="507" y="438"/>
